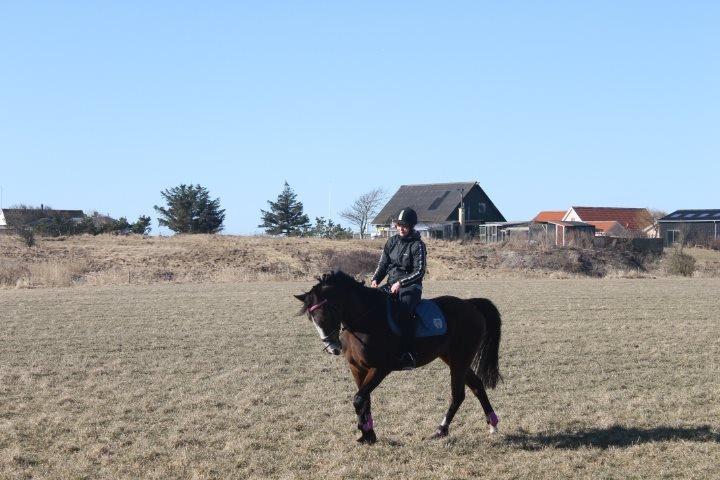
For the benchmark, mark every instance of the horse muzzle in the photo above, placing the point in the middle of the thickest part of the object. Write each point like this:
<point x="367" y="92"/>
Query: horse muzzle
<point x="332" y="348"/>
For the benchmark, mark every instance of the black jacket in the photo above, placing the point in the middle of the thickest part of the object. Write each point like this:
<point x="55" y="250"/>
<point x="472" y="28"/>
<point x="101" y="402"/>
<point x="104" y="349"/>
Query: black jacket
<point x="403" y="260"/>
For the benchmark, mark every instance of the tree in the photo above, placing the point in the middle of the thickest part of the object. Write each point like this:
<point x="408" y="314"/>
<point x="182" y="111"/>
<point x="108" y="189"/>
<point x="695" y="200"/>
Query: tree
<point x="141" y="226"/>
<point x="328" y="229"/>
<point x="361" y="212"/>
<point x="286" y="215"/>
<point x="190" y="210"/>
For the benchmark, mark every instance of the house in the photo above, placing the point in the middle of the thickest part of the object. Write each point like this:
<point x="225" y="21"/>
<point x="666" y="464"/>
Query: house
<point x="13" y="217"/>
<point x="548" y="215"/>
<point x="699" y="227"/>
<point x="492" y="232"/>
<point x="445" y="210"/>
<point x="562" y="233"/>
<point x="611" y="228"/>
<point x="638" y="221"/>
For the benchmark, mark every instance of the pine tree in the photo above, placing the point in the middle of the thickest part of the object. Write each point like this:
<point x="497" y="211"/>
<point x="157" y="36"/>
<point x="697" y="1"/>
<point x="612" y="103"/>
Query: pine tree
<point x="190" y="210"/>
<point x="286" y="215"/>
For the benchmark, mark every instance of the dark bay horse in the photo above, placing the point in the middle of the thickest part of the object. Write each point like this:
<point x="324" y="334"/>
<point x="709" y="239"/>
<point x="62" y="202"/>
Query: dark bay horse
<point x="341" y="307"/>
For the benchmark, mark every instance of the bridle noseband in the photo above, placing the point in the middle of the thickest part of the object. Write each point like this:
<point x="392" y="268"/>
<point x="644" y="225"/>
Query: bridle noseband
<point x="326" y="339"/>
<point x="338" y="330"/>
<point x="317" y="306"/>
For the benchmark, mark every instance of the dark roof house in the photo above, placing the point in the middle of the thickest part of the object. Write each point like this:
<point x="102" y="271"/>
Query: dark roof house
<point x="437" y="206"/>
<point x="699" y="227"/>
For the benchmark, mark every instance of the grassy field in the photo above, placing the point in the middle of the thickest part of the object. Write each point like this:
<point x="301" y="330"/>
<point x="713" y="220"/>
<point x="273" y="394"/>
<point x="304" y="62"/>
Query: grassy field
<point x="613" y="378"/>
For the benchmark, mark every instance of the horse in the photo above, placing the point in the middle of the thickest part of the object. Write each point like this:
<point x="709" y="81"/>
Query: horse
<point x="351" y="318"/>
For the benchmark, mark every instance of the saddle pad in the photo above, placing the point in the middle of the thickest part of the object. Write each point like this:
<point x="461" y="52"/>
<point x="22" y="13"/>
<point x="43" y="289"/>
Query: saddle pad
<point x="430" y="320"/>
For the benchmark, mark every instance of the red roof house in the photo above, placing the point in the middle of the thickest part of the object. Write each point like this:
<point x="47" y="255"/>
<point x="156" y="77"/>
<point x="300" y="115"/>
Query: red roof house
<point x="610" y="229"/>
<point x="549" y="216"/>
<point x="636" y="220"/>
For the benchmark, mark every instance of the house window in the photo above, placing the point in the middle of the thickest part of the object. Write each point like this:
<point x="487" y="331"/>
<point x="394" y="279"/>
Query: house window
<point x="482" y="207"/>
<point x="672" y="236"/>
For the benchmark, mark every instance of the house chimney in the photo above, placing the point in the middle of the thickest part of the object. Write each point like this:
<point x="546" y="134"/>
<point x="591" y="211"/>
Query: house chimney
<point x="461" y="215"/>
<point x="42" y="207"/>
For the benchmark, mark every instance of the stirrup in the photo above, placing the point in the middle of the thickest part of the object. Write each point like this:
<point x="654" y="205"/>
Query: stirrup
<point x="406" y="361"/>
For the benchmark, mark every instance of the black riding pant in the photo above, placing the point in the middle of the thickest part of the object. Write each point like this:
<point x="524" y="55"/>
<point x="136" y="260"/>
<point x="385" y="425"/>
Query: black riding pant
<point x="408" y="299"/>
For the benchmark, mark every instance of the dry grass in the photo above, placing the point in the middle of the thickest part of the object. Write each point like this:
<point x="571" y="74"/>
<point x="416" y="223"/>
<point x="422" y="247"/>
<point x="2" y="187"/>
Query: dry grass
<point x="119" y="260"/>
<point x="604" y="379"/>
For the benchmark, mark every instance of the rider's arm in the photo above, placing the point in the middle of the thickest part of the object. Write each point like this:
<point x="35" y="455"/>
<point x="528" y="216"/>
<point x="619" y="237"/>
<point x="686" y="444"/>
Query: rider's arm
<point x="419" y="265"/>
<point x="382" y="266"/>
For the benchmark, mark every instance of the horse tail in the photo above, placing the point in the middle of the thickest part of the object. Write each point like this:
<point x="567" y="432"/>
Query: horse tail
<point x="485" y="363"/>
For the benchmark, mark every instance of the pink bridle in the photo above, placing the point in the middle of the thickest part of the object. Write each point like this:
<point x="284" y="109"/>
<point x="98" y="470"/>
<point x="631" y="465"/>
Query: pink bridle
<point x="317" y="306"/>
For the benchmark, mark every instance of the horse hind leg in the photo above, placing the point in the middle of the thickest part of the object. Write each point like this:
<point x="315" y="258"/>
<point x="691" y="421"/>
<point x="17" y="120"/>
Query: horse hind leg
<point x="457" y="395"/>
<point x="477" y="387"/>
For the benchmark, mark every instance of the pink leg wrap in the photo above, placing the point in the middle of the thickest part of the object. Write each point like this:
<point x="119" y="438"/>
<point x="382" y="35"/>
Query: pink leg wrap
<point x="368" y="425"/>
<point x="493" y="419"/>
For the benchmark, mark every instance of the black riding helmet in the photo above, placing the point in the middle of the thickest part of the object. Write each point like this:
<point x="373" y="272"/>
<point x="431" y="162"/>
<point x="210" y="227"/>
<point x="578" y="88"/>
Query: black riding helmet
<point x="407" y="216"/>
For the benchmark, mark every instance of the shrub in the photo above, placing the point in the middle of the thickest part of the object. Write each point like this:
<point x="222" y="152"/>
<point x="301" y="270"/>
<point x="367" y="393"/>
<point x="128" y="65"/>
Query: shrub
<point x="358" y="262"/>
<point x="11" y="273"/>
<point x="27" y="235"/>
<point x="680" y="263"/>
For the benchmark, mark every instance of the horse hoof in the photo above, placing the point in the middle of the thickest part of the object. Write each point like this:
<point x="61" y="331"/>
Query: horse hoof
<point x="492" y="421"/>
<point x="367" y="438"/>
<point x="441" y="432"/>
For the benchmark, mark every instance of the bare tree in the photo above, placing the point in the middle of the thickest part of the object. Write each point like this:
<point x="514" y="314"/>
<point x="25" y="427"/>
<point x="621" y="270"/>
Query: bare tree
<point x="657" y="214"/>
<point x="364" y="209"/>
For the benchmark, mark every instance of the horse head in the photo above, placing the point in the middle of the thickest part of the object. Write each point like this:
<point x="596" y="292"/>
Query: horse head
<point x="324" y="305"/>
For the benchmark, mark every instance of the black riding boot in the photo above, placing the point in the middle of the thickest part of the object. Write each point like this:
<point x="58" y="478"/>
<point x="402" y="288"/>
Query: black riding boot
<point x="407" y="331"/>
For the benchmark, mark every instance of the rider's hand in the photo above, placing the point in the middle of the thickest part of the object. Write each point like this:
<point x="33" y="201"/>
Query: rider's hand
<point x="395" y="288"/>
<point x="373" y="284"/>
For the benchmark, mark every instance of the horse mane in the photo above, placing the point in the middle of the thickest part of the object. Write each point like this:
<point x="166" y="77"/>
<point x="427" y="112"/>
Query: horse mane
<point x="340" y="279"/>
<point x="333" y="279"/>
<point x="346" y="282"/>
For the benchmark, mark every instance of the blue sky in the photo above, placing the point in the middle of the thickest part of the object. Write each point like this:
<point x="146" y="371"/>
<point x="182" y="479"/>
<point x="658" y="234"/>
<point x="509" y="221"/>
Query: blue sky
<point x="545" y="104"/>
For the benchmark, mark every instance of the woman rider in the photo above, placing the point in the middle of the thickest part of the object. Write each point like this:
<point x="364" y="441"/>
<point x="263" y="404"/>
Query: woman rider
<point x="403" y="261"/>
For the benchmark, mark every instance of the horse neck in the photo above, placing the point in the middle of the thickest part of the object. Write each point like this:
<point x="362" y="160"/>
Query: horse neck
<point x="368" y="309"/>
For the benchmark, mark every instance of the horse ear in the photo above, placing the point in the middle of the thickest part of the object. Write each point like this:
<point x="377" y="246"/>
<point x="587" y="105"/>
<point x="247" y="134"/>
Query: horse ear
<point x="301" y="297"/>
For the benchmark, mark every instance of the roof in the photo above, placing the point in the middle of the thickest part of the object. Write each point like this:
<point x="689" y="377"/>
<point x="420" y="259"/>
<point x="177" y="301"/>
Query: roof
<point x="609" y="227"/>
<point x="570" y="224"/>
<point x="433" y="202"/>
<point x="520" y="223"/>
<point x="692" y="216"/>
<point x="24" y="216"/>
<point x="547" y="215"/>
<point x="630" y="218"/>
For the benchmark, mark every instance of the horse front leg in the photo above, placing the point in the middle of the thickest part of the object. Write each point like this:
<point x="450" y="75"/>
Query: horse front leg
<point x="362" y="403"/>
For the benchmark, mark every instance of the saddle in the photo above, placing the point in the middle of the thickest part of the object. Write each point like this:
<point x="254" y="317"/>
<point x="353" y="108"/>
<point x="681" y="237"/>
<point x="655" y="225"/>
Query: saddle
<point x="430" y="319"/>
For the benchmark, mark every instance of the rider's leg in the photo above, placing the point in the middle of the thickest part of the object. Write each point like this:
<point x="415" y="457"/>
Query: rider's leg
<point x="409" y="297"/>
